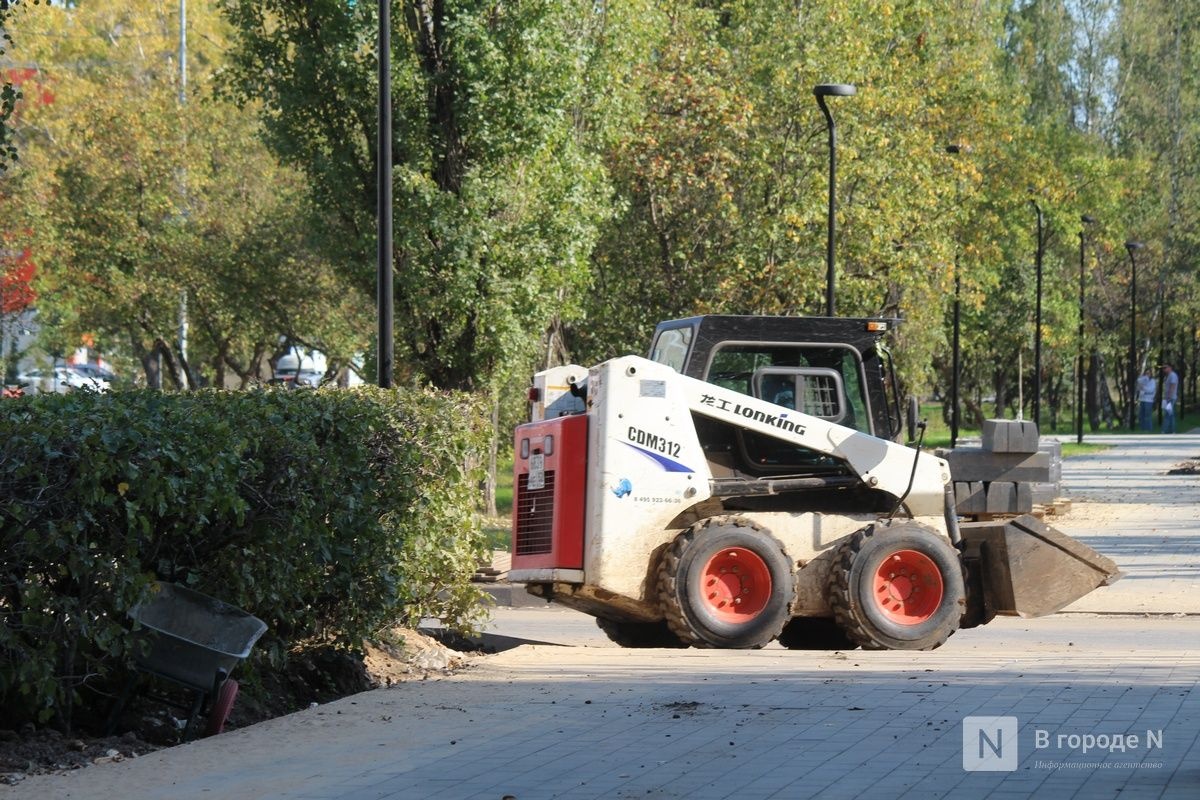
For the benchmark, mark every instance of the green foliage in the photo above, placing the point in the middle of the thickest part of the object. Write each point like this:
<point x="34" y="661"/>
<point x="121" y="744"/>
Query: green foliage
<point x="496" y="202"/>
<point x="9" y="95"/>
<point x="722" y="173"/>
<point x="130" y="198"/>
<point x="567" y="173"/>
<point x="328" y="514"/>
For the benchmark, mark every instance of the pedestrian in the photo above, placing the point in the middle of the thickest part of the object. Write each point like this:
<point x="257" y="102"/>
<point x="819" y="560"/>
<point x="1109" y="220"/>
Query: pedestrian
<point x="1170" y="395"/>
<point x="1147" y="388"/>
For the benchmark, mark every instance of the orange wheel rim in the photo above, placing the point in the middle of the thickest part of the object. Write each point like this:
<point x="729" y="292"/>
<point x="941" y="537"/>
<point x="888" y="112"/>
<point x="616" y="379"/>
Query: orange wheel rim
<point x="908" y="587"/>
<point x="735" y="585"/>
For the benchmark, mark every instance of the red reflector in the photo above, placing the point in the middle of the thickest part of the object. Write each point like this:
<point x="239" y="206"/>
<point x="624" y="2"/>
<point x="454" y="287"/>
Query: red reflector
<point x="534" y="394"/>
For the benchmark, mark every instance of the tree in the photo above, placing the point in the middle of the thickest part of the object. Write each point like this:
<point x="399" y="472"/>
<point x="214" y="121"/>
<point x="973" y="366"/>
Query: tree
<point x="496" y="203"/>
<point x="133" y="198"/>
<point x="1158" y="98"/>
<point x="722" y="179"/>
<point x="9" y="93"/>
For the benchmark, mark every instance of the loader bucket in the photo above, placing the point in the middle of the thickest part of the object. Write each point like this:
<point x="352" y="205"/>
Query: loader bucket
<point x="1029" y="569"/>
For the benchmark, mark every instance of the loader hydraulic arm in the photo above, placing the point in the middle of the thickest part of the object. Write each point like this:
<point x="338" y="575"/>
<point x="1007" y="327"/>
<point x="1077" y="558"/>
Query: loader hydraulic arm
<point x="874" y="462"/>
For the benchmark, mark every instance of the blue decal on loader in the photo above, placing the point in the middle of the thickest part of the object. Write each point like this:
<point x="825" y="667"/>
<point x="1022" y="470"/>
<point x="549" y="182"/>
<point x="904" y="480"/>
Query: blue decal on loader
<point x="668" y="464"/>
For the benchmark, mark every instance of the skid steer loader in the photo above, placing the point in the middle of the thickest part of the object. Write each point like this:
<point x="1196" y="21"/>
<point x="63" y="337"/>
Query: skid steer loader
<point x="744" y="484"/>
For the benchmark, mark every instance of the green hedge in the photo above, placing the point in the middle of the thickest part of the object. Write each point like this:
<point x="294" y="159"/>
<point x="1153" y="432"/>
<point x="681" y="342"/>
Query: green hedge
<point x="329" y="514"/>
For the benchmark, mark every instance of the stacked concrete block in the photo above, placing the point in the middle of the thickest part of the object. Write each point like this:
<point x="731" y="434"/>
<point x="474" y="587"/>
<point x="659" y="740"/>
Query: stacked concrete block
<point x="1006" y="497"/>
<point x="1010" y="436"/>
<point x="1011" y="472"/>
<point x="968" y="464"/>
<point x="1001" y="497"/>
<point x="970" y="497"/>
<point x="1054" y="448"/>
<point x="1048" y="492"/>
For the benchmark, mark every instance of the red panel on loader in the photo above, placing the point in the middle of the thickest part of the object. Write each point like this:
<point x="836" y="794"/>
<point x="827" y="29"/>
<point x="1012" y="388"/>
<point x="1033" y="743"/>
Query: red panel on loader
<point x="549" y="474"/>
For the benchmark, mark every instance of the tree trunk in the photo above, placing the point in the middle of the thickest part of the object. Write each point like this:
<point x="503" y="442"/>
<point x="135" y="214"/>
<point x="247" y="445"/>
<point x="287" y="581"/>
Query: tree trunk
<point x="972" y="412"/>
<point x="168" y="361"/>
<point x="219" y="365"/>
<point x="1054" y="398"/>
<point x="1000" y="385"/>
<point x="556" y="344"/>
<point x="489" y="481"/>
<point x="1194" y="386"/>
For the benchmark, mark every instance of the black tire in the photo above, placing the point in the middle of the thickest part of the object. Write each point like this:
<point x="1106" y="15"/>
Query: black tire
<point x="640" y="634"/>
<point x="914" y="622"/>
<point x="691" y="573"/>
<point x="815" y="633"/>
<point x="977" y="612"/>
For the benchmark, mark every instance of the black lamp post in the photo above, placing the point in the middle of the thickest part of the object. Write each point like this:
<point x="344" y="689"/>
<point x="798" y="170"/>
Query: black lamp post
<point x="384" y="196"/>
<point x="1162" y="343"/>
<point x="1130" y="247"/>
<point x="1086" y="220"/>
<point x="1037" y="328"/>
<point x="821" y="91"/>
<point x="956" y="362"/>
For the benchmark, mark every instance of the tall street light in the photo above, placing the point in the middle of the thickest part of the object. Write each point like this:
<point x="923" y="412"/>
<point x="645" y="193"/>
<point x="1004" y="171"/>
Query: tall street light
<point x="821" y="91"/>
<point x="1037" y="329"/>
<point x="1131" y="247"/>
<point x="1162" y="340"/>
<point x="956" y="369"/>
<point x="1086" y="219"/>
<point x="383" y="179"/>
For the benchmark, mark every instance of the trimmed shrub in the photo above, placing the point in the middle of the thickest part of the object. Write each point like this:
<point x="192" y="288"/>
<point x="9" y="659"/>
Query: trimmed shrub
<point x="329" y="514"/>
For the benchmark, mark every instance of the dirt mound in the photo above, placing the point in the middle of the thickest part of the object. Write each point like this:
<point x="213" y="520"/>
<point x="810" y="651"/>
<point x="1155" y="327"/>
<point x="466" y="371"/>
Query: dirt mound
<point x="31" y="751"/>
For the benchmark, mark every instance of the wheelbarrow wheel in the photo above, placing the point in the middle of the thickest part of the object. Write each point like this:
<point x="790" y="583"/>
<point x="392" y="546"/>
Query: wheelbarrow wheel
<point x="221" y="707"/>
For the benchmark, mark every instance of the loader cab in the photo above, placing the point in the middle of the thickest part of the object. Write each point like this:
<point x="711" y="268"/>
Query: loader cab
<point x="835" y="369"/>
<point x="752" y="354"/>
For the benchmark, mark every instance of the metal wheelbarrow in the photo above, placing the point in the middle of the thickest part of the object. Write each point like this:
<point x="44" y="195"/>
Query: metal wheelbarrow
<point x="193" y="641"/>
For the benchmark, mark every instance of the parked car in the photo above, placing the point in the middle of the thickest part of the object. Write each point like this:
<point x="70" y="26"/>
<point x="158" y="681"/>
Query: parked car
<point x="309" y="377"/>
<point x="59" y="380"/>
<point x="94" y="371"/>
<point x="298" y="379"/>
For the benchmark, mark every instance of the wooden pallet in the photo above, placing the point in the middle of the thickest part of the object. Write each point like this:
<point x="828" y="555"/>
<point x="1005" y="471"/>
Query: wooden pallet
<point x="1038" y="511"/>
<point x="1059" y="507"/>
<point x="494" y="569"/>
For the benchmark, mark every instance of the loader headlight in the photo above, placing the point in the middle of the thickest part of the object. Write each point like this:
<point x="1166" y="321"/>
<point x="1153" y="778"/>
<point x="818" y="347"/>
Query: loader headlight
<point x="548" y="446"/>
<point x="524" y="448"/>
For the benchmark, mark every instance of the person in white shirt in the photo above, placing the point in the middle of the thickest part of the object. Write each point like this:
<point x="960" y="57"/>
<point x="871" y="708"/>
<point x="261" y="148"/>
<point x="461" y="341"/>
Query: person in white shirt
<point x="1170" y="396"/>
<point x="1147" y="388"/>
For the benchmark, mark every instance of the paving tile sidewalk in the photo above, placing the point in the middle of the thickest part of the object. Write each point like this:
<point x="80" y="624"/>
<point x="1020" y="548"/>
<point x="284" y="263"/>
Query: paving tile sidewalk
<point x="582" y="721"/>
<point x="1128" y="507"/>
<point x="541" y="722"/>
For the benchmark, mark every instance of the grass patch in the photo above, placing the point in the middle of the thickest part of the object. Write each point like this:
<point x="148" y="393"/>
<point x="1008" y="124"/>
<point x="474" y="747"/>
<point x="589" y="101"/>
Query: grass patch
<point x="497" y="531"/>
<point x="1076" y="449"/>
<point x="504" y="486"/>
<point x="497" y="537"/>
<point x="937" y="433"/>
